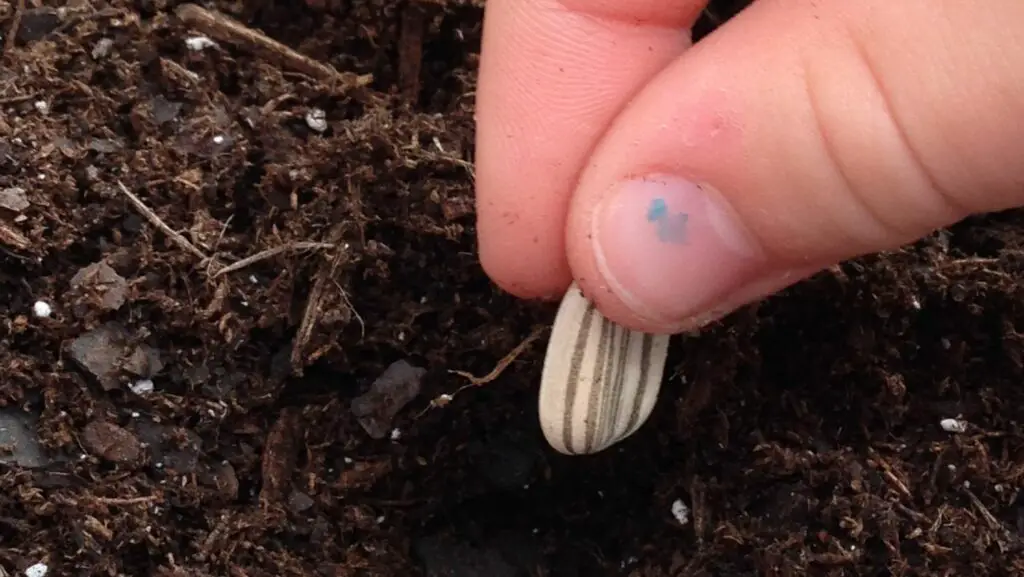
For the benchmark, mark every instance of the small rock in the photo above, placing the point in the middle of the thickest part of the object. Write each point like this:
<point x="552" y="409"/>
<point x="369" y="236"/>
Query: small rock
<point x="13" y="199"/>
<point x="111" y="442"/>
<point x="142" y="386"/>
<point x="37" y="570"/>
<point x="104" y="282"/>
<point x="20" y="442"/>
<point x="105" y="350"/>
<point x="299" y="502"/>
<point x="98" y="351"/>
<point x="102" y="48"/>
<point x="394" y="388"/>
<point x="104" y="145"/>
<point x="42" y="309"/>
<point x="37" y="23"/>
<point x="198" y="43"/>
<point x="164" y="110"/>
<point x="143" y="362"/>
<point x="953" y="425"/>
<point x="316" y="119"/>
<point x="681" y="512"/>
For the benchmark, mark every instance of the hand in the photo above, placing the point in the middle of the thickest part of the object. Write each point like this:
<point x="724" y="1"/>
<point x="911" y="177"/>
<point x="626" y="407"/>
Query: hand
<point x="677" y="182"/>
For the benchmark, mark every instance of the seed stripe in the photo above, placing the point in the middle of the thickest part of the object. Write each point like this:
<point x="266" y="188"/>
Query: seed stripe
<point x="575" y="368"/>
<point x="645" y="364"/>
<point x="596" y="367"/>
<point x="618" y="385"/>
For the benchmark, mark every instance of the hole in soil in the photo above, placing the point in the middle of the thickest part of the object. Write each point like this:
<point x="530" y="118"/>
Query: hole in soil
<point x="9" y="529"/>
<point x="81" y="253"/>
<point x="137" y="555"/>
<point x="244" y="197"/>
<point x="444" y="53"/>
<point x="230" y="83"/>
<point x="189" y="519"/>
<point x="249" y="488"/>
<point x="317" y="381"/>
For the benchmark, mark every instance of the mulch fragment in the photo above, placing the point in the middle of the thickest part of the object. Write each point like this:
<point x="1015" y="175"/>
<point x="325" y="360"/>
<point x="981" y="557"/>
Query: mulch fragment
<point x="111" y="442"/>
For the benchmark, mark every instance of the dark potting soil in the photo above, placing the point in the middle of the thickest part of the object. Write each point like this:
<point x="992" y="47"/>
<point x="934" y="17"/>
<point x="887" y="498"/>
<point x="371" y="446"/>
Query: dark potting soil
<point x="235" y="243"/>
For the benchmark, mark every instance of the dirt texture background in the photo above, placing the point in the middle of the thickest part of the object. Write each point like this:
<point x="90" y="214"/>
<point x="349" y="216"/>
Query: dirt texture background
<point x="183" y="411"/>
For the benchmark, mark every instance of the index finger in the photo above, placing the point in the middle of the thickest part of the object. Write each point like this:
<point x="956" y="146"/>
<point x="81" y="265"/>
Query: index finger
<point x="553" y="76"/>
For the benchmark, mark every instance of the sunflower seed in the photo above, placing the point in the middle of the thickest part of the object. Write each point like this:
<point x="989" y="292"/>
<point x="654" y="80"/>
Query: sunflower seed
<point x="600" y="380"/>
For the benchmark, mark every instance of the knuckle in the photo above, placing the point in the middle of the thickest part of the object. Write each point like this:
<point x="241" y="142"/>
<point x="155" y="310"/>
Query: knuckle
<point x="890" y="193"/>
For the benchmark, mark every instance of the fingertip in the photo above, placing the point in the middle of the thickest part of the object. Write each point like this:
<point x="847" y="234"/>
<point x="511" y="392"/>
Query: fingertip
<point x="524" y="271"/>
<point x="551" y="81"/>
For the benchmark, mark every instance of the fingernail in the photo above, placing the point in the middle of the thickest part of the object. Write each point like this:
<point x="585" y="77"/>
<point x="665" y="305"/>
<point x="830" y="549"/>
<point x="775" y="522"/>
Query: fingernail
<point x="671" y="249"/>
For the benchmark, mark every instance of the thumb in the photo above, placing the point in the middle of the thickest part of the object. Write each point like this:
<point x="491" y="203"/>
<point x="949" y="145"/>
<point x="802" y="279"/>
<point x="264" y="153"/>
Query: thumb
<point x="798" y="135"/>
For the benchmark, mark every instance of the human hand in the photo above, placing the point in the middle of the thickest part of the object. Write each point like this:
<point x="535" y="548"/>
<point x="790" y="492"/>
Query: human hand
<point x="677" y="183"/>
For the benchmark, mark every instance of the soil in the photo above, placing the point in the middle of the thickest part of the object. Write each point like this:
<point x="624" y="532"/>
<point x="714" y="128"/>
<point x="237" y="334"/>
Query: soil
<point x="171" y="416"/>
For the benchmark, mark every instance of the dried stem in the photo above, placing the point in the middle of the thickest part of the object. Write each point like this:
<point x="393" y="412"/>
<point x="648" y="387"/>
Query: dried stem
<point x="226" y="29"/>
<point x="503" y="363"/>
<point x="311" y="315"/>
<point x="12" y="32"/>
<point x="271" y="252"/>
<point x="157" y="222"/>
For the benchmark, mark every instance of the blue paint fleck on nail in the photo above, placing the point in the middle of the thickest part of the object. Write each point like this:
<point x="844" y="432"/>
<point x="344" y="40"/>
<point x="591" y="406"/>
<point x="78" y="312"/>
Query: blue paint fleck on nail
<point x="657" y="211"/>
<point x="671" y="227"/>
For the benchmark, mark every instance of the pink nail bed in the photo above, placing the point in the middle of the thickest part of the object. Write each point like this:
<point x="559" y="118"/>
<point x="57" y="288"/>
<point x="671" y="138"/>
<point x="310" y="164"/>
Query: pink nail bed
<point x="670" y="248"/>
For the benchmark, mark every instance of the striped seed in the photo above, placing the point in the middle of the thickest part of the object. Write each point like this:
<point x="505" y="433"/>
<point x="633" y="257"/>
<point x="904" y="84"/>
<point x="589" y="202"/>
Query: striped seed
<point x="600" y="380"/>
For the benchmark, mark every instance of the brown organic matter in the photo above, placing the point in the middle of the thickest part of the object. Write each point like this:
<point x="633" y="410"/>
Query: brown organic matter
<point x="263" y="270"/>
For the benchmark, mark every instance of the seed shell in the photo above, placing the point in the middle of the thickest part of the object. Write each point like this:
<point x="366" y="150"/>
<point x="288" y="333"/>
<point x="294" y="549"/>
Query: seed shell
<point x="600" y="381"/>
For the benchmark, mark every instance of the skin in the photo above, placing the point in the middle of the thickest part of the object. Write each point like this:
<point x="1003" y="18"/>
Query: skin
<point x="826" y="130"/>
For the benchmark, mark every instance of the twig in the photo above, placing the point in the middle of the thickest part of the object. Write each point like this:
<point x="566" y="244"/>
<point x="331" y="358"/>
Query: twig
<point x="157" y="222"/>
<point x="17" y="99"/>
<point x="444" y="399"/>
<point x="79" y="18"/>
<point x="993" y="523"/>
<point x="888" y="473"/>
<point x="503" y="363"/>
<point x="126" y="500"/>
<point x="226" y="29"/>
<point x="175" y="69"/>
<point x="11" y="237"/>
<point x="216" y="244"/>
<point x="355" y="313"/>
<point x="12" y="32"/>
<point x="410" y="50"/>
<point x="271" y="252"/>
<point x="916" y="515"/>
<point x="312" y="312"/>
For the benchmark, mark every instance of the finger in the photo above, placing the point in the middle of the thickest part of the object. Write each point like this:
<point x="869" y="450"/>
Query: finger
<point x="798" y="135"/>
<point x="552" y="76"/>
